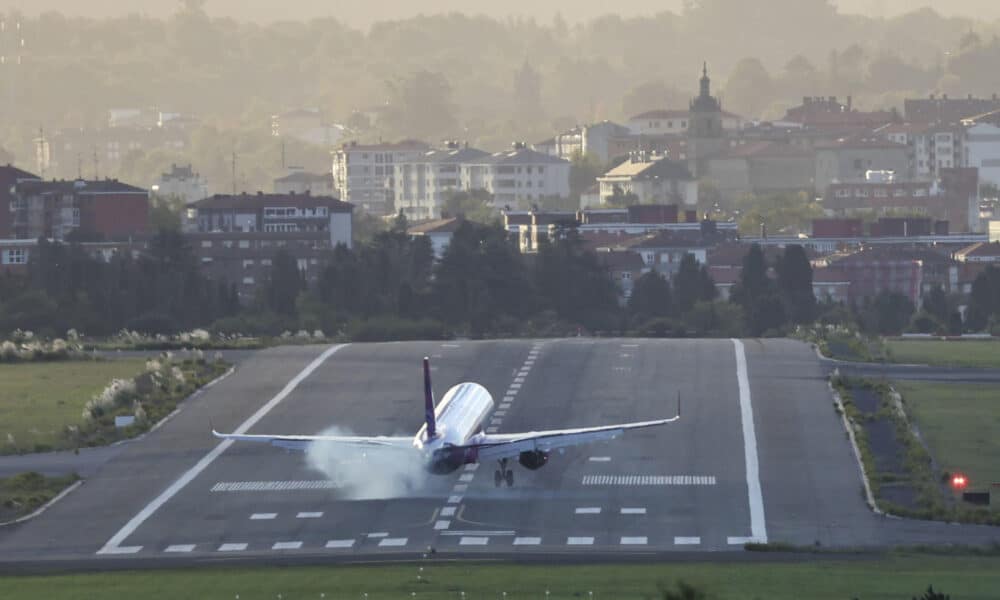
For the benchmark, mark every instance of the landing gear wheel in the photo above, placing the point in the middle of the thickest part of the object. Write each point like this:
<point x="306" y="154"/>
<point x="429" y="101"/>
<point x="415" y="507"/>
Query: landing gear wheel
<point x="510" y="478"/>
<point x="497" y="478"/>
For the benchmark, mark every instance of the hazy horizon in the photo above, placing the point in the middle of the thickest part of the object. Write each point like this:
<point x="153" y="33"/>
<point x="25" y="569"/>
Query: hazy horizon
<point x="363" y="15"/>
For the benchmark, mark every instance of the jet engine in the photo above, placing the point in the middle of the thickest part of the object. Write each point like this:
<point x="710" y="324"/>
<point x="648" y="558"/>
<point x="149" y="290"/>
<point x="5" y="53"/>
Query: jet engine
<point x="533" y="459"/>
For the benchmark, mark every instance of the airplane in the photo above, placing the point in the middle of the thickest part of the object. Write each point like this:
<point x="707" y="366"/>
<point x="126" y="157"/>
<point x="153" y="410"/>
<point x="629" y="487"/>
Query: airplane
<point x="452" y="435"/>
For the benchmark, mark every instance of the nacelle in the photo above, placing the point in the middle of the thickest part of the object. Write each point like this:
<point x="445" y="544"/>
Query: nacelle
<point x="533" y="459"/>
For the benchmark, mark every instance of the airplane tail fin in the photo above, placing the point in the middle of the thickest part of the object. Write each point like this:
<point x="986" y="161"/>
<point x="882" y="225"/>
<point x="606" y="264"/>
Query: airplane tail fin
<point x="429" y="401"/>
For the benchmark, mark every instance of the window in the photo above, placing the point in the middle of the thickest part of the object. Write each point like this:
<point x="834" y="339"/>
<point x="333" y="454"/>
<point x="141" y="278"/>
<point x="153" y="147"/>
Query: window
<point x="206" y="259"/>
<point x="206" y="243"/>
<point x="541" y="170"/>
<point x="15" y="256"/>
<point x="248" y="281"/>
<point x="244" y="243"/>
<point x="265" y="262"/>
<point x="857" y="163"/>
<point x="227" y="243"/>
<point x="303" y="264"/>
<point x="248" y="263"/>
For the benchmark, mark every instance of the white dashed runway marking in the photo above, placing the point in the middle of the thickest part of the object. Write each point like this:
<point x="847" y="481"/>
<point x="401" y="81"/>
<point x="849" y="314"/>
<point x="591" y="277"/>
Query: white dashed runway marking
<point x="687" y="541"/>
<point x="579" y="541"/>
<point x="439" y="525"/>
<point x="625" y="480"/>
<point x="589" y="510"/>
<point x="340" y="544"/>
<point x="286" y="546"/>
<point x="527" y="541"/>
<point x="309" y="515"/>
<point x="633" y="511"/>
<point x="448" y="511"/>
<point x="379" y="534"/>
<point x="232" y="547"/>
<point x="122" y="550"/>
<point x="392" y="542"/>
<point x="263" y="516"/>
<point x="634" y="541"/>
<point x="473" y="541"/>
<point x="600" y="459"/>
<point x="180" y="548"/>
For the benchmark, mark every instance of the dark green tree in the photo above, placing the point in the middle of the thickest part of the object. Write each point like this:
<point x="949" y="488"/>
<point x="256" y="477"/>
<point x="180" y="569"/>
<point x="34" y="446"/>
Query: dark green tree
<point x="758" y="295"/>
<point x="651" y="297"/>
<point x="692" y="284"/>
<point x="984" y="300"/>
<point x="935" y="302"/>
<point x="930" y="594"/>
<point x="795" y="285"/>
<point x="284" y="284"/>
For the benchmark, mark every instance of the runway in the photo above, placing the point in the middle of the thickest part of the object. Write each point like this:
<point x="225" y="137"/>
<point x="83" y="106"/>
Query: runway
<point x="759" y="455"/>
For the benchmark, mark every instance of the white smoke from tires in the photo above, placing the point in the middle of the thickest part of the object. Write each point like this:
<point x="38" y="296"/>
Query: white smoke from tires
<point x="368" y="472"/>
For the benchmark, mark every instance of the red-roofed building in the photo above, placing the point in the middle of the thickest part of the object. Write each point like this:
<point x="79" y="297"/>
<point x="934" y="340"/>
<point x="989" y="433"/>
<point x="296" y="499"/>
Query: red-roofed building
<point x="763" y="167"/>
<point x="438" y="231"/>
<point x="624" y="267"/>
<point x="88" y="210"/>
<point x="848" y="159"/>
<point x="9" y="178"/>
<point x="830" y="114"/>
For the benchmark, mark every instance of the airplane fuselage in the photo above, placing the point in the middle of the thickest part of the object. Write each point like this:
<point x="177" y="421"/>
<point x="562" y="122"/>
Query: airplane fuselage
<point x="459" y="419"/>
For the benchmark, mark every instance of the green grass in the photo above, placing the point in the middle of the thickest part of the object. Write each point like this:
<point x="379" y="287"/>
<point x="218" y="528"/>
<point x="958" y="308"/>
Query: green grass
<point x="890" y="577"/>
<point x="38" y="400"/>
<point x="22" y="494"/>
<point x="944" y="353"/>
<point x="961" y="424"/>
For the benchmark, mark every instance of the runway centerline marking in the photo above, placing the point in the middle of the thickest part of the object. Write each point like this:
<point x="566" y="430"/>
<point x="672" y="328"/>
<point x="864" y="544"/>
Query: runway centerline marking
<point x="579" y="541"/>
<point x="379" y="534"/>
<point x="627" y="480"/>
<point x="209" y="458"/>
<point x="633" y="511"/>
<point x="600" y="459"/>
<point x="588" y="510"/>
<point x="758" y="526"/>
<point x="340" y="543"/>
<point x="233" y="547"/>
<point x="687" y="541"/>
<point x="527" y="541"/>
<point x="180" y="548"/>
<point x="263" y="516"/>
<point x="441" y="525"/>
<point x="393" y="542"/>
<point x="448" y="511"/>
<point x="286" y="546"/>
<point x="639" y="540"/>
<point x="309" y="515"/>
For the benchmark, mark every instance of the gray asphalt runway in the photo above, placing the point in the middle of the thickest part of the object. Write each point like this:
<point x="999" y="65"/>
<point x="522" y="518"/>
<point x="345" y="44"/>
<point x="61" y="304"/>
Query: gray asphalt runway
<point x="770" y="461"/>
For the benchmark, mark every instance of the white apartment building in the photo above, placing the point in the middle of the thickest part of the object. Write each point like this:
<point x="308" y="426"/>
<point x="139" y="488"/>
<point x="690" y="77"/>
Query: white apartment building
<point x="517" y="177"/>
<point x="422" y="183"/>
<point x="929" y="147"/>
<point x="303" y="182"/>
<point x="667" y="122"/>
<point x="363" y="174"/>
<point x="654" y="179"/>
<point x="982" y="150"/>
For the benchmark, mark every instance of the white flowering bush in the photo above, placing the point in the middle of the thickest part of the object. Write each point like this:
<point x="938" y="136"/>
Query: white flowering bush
<point x="117" y="391"/>
<point x="73" y="335"/>
<point x="200" y="335"/>
<point x="177" y="374"/>
<point x="302" y="334"/>
<point x="318" y="334"/>
<point x="8" y="351"/>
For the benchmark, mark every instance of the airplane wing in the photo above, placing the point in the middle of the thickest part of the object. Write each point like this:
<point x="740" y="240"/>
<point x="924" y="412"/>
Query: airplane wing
<point x="509" y="445"/>
<point x="301" y="442"/>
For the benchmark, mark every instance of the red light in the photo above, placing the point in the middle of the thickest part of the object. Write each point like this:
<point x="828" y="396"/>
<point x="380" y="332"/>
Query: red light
<point x="959" y="481"/>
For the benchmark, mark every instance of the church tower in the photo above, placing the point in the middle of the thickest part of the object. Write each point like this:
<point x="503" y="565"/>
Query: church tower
<point x="705" y="133"/>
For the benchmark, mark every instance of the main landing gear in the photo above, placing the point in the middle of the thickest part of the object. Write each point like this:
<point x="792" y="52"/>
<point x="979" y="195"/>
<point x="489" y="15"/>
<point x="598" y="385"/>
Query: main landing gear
<point x="503" y="474"/>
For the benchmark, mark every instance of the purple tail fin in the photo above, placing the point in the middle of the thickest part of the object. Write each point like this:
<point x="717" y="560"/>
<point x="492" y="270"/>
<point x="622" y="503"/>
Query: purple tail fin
<point x="429" y="401"/>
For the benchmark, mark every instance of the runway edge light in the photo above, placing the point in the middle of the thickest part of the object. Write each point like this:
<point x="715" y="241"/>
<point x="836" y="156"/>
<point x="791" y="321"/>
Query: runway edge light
<point x="959" y="481"/>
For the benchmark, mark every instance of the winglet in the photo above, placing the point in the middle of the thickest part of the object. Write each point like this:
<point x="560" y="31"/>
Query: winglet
<point x="429" y="401"/>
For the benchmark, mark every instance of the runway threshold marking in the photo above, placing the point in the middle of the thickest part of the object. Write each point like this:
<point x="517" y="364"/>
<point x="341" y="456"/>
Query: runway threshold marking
<point x="134" y="523"/>
<point x="579" y="541"/>
<point x="527" y="541"/>
<point x="687" y="541"/>
<point x="286" y="546"/>
<point x="758" y="526"/>
<point x="639" y="540"/>
<point x="340" y="543"/>
<point x="233" y="547"/>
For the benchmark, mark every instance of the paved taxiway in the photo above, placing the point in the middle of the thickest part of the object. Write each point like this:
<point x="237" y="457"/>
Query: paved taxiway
<point x="767" y="459"/>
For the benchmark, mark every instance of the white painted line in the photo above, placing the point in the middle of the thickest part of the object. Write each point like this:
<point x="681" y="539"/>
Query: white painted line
<point x="579" y="541"/>
<point x="467" y="477"/>
<point x="519" y="380"/>
<point x="451" y="345"/>
<point x="459" y="533"/>
<point x="634" y="541"/>
<point x="633" y="511"/>
<point x="309" y="515"/>
<point x="447" y="511"/>
<point x="263" y="516"/>
<point x="340" y="543"/>
<point x="180" y="548"/>
<point x="454" y="499"/>
<point x="504" y="406"/>
<point x="276" y="486"/>
<point x="471" y="466"/>
<point x="491" y="430"/>
<point x="124" y="550"/>
<point x="500" y="413"/>
<point x="630" y="345"/>
<point x="687" y="541"/>
<point x="473" y="541"/>
<point x="232" y="547"/>
<point x="629" y="480"/>
<point x="286" y="546"/>
<point x="523" y="372"/>
<point x="758" y="526"/>
<point x="739" y="541"/>
<point x="515" y="386"/>
<point x="393" y="542"/>
<point x="496" y="420"/>
<point x="530" y="362"/>
<point x="527" y="541"/>
<point x="441" y="525"/>
<point x="209" y="458"/>
<point x="460" y="487"/>
<point x="589" y="510"/>
<point x="508" y="399"/>
<point x="600" y="459"/>
<point x="378" y="534"/>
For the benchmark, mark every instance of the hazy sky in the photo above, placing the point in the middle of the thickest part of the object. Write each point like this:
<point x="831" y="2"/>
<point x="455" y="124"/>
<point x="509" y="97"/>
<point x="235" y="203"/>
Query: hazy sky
<point x="361" y="14"/>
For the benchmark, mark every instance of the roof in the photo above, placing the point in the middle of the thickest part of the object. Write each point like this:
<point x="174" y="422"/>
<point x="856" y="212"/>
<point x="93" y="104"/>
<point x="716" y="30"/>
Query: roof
<point x="662" y="114"/>
<point x="979" y="249"/>
<point x="11" y="174"/>
<point x="449" y="225"/>
<point x="79" y="186"/>
<point x="671" y="239"/>
<point x="520" y="156"/>
<point x="451" y="155"/>
<point x="400" y="145"/>
<point x="663" y="168"/>
<point x="857" y="142"/>
<point x="766" y="149"/>
<point x="830" y="275"/>
<point x="621" y="260"/>
<point x="724" y="275"/>
<point x="260" y="200"/>
<point x="305" y="177"/>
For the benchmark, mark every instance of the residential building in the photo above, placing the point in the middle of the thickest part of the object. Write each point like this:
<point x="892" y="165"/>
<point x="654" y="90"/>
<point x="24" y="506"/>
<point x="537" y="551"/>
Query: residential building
<point x="303" y="182"/>
<point x="363" y="173"/>
<point x="422" y="183"/>
<point x="883" y="196"/>
<point x="181" y="182"/>
<point x="763" y="167"/>
<point x="982" y="150"/>
<point x="235" y="237"/>
<point x="910" y="271"/>
<point x="16" y="253"/>
<point x="664" y="251"/>
<point x="541" y="226"/>
<point x="942" y="109"/>
<point x="85" y="210"/>
<point x="831" y="284"/>
<point x="517" y="177"/>
<point x="100" y="152"/>
<point x="829" y="114"/>
<point x="980" y="252"/>
<point x="654" y="179"/>
<point x="994" y="230"/>
<point x="675" y="122"/>
<point x="624" y="267"/>
<point x="847" y="160"/>
<point x="307" y="125"/>
<point x="438" y="231"/>
<point x="595" y="139"/>
<point x="9" y="178"/>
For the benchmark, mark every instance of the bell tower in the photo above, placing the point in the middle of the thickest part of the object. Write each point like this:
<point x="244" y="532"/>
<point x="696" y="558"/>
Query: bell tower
<point x="705" y="133"/>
